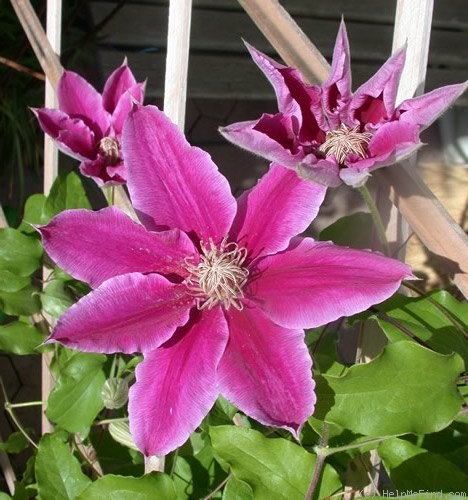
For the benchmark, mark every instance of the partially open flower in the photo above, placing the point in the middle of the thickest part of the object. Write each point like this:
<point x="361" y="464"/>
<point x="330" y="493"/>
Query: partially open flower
<point x="330" y="135"/>
<point x="88" y="125"/>
<point x="214" y="292"/>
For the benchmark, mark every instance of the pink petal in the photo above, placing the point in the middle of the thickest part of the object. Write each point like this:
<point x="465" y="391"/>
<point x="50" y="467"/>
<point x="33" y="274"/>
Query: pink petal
<point x="72" y="135"/>
<point x="78" y="98"/>
<point x="274" y="72"/>
<point x="356" y="174"/>
<point x="95" y="246"/>
<point x="125" y="105"/>
<point x="375" y="99"/>
<point x="326" y="172"/>
<point x="177" y="384"/>
<point x="172" y="184"/>
<point x="116" y="86"/>
<point x="423" y="110"/>
<point x="266" y="370"/>
<point x="314" y="283"/>
<point x="293" y="201"/>
<point x="128" y="313"/>
<point x="354" y="177"/>
<point x="337" y="88"/>
<point x="270" y="137"/>
<point x="103" y="173"/>
<point x="390" y="136"/>
<point x="117" y="173"/>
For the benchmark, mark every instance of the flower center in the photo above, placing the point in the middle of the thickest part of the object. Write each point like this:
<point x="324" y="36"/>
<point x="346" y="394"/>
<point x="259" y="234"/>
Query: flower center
<point x="343" y="141"/>
<point x="219" y="276"/>
<point x="109" y="148"/>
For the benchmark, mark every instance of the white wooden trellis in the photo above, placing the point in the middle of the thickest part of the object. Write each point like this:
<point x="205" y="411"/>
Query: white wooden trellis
<point x="54" y="35"/>
<point x="414" y="201"/>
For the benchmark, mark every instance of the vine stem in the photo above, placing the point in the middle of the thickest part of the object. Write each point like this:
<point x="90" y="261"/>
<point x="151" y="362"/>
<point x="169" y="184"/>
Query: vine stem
<point x="366" y="196"/>
<point x="321" y="457"/>
<point x="24" y="405"/>
<point x="220" y="485"/>
<point x="109" y="193"/>
<point x="111" y="420"/>
<point x="327" y="451"/>
<point x="9" y="410"/>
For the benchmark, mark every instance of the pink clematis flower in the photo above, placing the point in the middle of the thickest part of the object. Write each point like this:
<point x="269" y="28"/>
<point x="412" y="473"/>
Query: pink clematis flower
<point x="88" y="125"/>
<point x="215" y="293"/>
<point x="330" y="135"/>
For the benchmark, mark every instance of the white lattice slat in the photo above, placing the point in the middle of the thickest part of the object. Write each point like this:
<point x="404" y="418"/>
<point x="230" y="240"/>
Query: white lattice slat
<point x="54" y="35"/>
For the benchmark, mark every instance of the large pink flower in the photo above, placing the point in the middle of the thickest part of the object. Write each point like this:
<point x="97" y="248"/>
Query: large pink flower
<point x="88" y="125"/>
<point x="330" y="135"/>
<point x="215" y="293"/>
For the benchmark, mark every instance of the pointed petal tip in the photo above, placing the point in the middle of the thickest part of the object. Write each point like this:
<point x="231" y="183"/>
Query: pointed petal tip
<point x="48" y="341"/>
<point x="342" y="32"/>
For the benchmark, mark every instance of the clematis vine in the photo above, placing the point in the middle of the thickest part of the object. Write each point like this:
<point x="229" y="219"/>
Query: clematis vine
<point x="214" y="292"/>
<point x="330" y="135"/>
<point x="88" y="125"/>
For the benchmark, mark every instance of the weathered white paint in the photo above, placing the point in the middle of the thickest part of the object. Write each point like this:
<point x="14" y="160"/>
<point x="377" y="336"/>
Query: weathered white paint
<point x="177" y="60"/>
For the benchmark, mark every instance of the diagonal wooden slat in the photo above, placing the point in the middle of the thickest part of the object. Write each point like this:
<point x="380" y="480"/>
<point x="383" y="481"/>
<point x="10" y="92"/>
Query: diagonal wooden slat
<point x="52" y="68"/>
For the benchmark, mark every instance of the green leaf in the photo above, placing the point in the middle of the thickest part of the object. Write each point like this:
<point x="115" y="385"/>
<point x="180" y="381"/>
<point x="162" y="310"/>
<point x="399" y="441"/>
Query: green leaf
<point x="425" y="319"/>
<point x="112" y="456"/>
<point x="16" y="443"/>
<point x="237" y="490"/>
<point x="273" y="468"/>
<point x="352" y="230"/>
<point x="414" y="468"/>
<point x="10" y="282"/>
<point x="120" y="432"/>
<point x="24" y="302"/>
<point x="191" y="479"/>
<point x="58" y="472"/>
<point x="451" y="443"/>
<point x="67" y="192"/>
<point x="455" y="308"/>
<point x="76" y="398"/>
<point x="149" y="487"/>
<point x="20" y="338"/>
<point x="21" y="493"/>
<point x="33" y="213"/>
<point x="19" y="254"/>
<point x="56" y="298"/>
<point x="222" y="412"/>
<point x="406" y="389"/>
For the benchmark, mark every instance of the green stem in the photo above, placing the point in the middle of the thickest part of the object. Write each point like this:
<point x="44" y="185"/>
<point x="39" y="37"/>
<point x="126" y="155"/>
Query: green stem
<point x="109" y="194"/>
<point x="220" y="485"/>
<point x="326" y="451"/>
<point x="24" y="405"/>
<point x="174" y="460"/>
<point x="8" y="408"/>
<point x="366" y="196"/>
<point x="111" y="420"/>
<point x="319" y="464"/>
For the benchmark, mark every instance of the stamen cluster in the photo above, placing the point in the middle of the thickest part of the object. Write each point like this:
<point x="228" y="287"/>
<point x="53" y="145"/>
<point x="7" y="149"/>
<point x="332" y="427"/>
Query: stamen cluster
<point x="342" y="141"/>
<point x="219" y="276"/>
<point x="109" y="148"/>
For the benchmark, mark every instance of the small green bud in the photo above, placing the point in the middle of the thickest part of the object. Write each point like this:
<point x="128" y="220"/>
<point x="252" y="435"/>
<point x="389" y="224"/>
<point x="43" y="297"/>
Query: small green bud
<point x="121" y="433"/>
